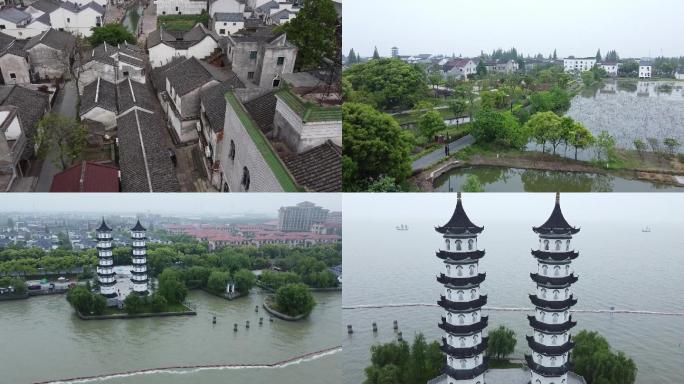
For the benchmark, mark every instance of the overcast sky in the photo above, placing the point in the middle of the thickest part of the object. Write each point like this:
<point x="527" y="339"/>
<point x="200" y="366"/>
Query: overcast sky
<point x="646" y="209"/>
<point x="163" y="203"/>
<point x="635" y="28"/>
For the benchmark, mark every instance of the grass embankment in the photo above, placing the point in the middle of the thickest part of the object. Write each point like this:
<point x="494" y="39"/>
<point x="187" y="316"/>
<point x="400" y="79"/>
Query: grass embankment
<point x="180" y="22"/>
<point x="147" y="309"/>
<point x="454" y="133"/>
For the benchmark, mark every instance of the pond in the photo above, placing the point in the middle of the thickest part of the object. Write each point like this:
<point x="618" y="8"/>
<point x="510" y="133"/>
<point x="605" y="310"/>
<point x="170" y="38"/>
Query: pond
<point x="499" y="179"/>
<point x="630" y="109"/>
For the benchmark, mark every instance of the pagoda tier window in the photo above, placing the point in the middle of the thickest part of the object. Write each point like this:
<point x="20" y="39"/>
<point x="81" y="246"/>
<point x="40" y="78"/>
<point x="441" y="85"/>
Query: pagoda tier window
<point x="556" y="270"/>
<point x="558" y="245"/>
<point x="458" y="245"/>
<point x="461" y="319"/>
<point x="459" y="271"/>
<point x="553" y="339"/>
<point x="565" y="315"/>
<point x="451" y="339"/>
<point x="567" y="245"/>
<point x="471" y="270"/>
<point x="470" y="244"/>
<point x="475" y="339"/>
<point x="448" y="244"/>
<point x="538" y="381"/>
<point x="555" y="294"/>
<point x="553" y="361"/>
<point x="474" y="318"/>
<point x="541" y="337"/>
<point x="546" y="245"/>
<point x="539" y="358"/>
<point x="555" y="318"/>
<point x="449" y="294"/>
<point x="543" y="315"/>
<point x="460" y="295"/>
<point x="463" y="363"/>
<point x="543" y="293"/>
<point x="448" y="268"/>
<point x="544" y="269"/>
<point x="449" y="317"/>
<point x="462" y="341"/>
<point x="451" y="360"/>
<point x="472" y="293"/>
<point x="567" y="270"/>
<point x="567" y="292"/>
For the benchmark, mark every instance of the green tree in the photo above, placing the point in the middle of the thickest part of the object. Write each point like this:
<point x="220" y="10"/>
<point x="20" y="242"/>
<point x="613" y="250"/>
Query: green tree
<point x="399" y="363"/>
<point x="217" y="282"/>
<point x="171" y="286"/>
<point x="672" y="145"/>
<point x="112" y="34"/>
<point x="501" y="342"/>
<point x="605" y="146"/>
<point x="473" y="184"/>
<point x="598" y="56"/>
<point x="64" y="134"/>
<point x="458" y="107"/>
<point x="546" y="127"/>
<point x="351" y="59"/>
<point x="555" y="56"/>
<point x="314" y="32"/>
<point x="158" y="302"/>
<point x="384" y="184"/>
<point x="387" y="84"/>
<point x="597" y="363"/>
<point x="481" y="69"/>
<point x="244" y="280"/>
<point x="580" y="137"/>
<point x="431" y="123"/>
<point x="373" y="146"/>
<point x="98" y="304"/>
<point x="640" y="146"/>
<point x="493" y="99"/>
<point x="81" y="299"/>
<point x="501" y="128"/>
<point x="133" y="304"/>
<point x="294" y="300"/>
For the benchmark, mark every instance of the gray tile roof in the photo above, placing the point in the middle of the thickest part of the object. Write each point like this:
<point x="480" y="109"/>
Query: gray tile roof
<point x="144" y="162"/>
<point x="53" y="38"/>
<point x="131" y="93"/>
<point x="266" y="8"/>
<point x="214" y="101"/>
<point x="32" y="106"/>
<point x="14" y="15"/>
<point x="179" y="39"/>
<point x="158" y="75"/>
<point x="10" y="45"/>
<point x="188" y="75"/>
<point x="44" y="18"/>
<point x="229" y="16"/>
<point x="262" y="109"/>
<point x="318" y="169"/>
<point x="645" y="62"/>
<point x="46" y="6"/>
<point x="100" y="93"/>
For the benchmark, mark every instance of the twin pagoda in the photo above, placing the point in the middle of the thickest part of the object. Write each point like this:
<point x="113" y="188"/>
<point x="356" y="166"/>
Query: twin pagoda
<point x="464" y="343"/>
<point x="105" y="268"/>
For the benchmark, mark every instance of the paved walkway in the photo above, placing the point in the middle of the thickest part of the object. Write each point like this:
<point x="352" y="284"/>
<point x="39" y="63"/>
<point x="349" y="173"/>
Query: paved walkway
<point x="437" y="155"/>
<point x="149" y="22"/>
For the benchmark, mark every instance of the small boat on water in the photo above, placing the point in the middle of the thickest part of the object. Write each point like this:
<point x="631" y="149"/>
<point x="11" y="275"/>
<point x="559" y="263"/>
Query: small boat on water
<point x="647" y="229"/>
<point x="402" y="227"/>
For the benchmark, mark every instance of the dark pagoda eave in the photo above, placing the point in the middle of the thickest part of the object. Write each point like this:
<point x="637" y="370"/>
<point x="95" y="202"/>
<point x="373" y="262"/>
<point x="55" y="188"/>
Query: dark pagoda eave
<point x="549" y="281"/>
<point x="547" y="371"/>
<point x="463" y="352"/>
<point x="549" y="349"/>
<point x="551" y="328"/>
<point x="460" y="256"/>
<point x="103" y="227"/>
<point x="467" y="374"/>
<point x="462" y="305"/>
<point x="459" y="224"/>
<point x="556" y="223"/>
<point x="461" y="281"/>
<point x="138" y="227"/>
<point x="562" y="304"/>
<point x="555" y="256"/>
<point x="464" y="329"/>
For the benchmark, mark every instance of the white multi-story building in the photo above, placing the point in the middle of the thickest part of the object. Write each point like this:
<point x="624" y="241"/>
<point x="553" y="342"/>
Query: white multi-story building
<point x="679" y="74"/>
<point x="572" y="64"/>
<point x="553" y="298"/>
<point x="180" y="7"/>
<point x="462" y="300"/>
<point x="611" y="67"/>
<point x="460" y="68"/>
<point x="645" y="67"/>
<point x="79" y="19"/>
<point x="105" y="266"/>
<point x="139" y="271"/>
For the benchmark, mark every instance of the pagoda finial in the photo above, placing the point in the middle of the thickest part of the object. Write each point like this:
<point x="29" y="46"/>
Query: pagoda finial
<point x="557" y="197"/>
<point x="458" y="195"/>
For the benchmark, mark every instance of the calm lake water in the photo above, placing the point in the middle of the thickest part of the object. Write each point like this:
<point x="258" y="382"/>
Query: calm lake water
<point x="48" y="342"/>
<point x="632" y="110"/>
<point x="618" y="266"/>
<point x="499" y="179"/>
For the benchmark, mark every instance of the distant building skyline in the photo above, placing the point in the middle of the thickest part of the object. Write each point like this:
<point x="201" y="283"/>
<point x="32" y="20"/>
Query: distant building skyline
<point x="576" y="28"/>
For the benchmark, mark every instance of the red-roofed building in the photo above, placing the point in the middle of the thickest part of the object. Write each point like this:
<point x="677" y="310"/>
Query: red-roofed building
<point x="87" y="177"/>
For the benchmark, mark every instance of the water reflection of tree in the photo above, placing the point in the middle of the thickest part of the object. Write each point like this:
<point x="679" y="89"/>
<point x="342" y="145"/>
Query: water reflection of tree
<point x="627" y="86"/>
<point x="491" y="175"/>
<point x="553" y="181"/>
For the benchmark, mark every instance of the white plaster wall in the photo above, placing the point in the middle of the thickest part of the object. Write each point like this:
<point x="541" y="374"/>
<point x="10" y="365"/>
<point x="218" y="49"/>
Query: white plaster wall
<point x="11" y="64"/>
<point x="202" y="49"/>
<point x="553" y="270"/>
<point x="538" y="379"/>
<point x="465" y="363"/>
<point x="559" y="294"/>
<point x="183" y="7"/>
<point x="468" y="318"/>
<point x="461" y="295"/>
<point x="549" y="318"/>
<point x="465" y="270"/>
<point x="229" y="27"/>
<point x="161" y="54"/>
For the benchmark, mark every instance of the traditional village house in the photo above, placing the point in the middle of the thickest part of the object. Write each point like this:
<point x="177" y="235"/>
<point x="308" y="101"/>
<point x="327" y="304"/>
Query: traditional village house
<point x="164" y="45"/>
<point x="12" y="145"/>
<point x="32" y="106"/>
<point x="50" y="54"/>
<point x="227" y="23"/>
<point x="14" y="62"/>
<point x="645" y="67"/>
<point x="98" y="103"/>
<point x="78" y="19"/>
<point x="86" y="177"/>
<point x="112" y="63"/>
<point x="460" y="68"/>
<point x="180" y="7"/>
<point x="611" y="67"/>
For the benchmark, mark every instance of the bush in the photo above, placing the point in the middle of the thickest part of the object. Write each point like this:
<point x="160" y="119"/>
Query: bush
<point x="244" y="280"/>
<point x="112" y="33"/>
<point x="18" y="284"/>
<point x="594" y="359"/>
<point x="158" y="303"/>
<point x="133" y="304"/>
<point x="218" y="281"/>
<point x="399" y="363"/>
<point x="501" y="342"/>
<point x="294" y="300"/>
<point x="172" y="287"/>
<point x="86" y="302"/>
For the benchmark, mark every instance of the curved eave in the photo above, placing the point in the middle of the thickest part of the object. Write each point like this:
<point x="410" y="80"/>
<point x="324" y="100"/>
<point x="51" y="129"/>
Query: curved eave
<point x="551" y="328"/>
<point x="547" y="349"/>
<point x="110" y="296"/>
<point x="460" y="256"/>
<point x="463" y="352"/>
<point x="110" y="284"/>
<point x="547" y="371"/>
<point x="555" y="256"/>
<point x="464" y="329"/>
<point x="474" y="230"/>
<point x="461" y="281"/>
<point x="563" y="304"/>
<point x="556" y="231"/>
<point x="467" y="374"/>
<point x="464" y="305"/>
<point x="554" y="281"/>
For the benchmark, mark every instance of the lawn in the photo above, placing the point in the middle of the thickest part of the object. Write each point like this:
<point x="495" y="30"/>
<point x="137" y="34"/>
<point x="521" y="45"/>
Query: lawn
<point x="180" y="22"/>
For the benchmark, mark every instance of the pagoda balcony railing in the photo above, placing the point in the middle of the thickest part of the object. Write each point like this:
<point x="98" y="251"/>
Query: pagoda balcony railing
<point x="139" y="252"/>
<point x="554" y="280"/>
<point x="549" y="349"/>
<point x="555" y="256"/>
<point x="560" y="304"/>
<point x="108" y="283"/>
<point x="142" y="269"/>
<point x="551" y="328"/>
<point x="138" y="243"/>
<point x="460" y="256"/>
<point x="139" y="235"/>
<point x="104" y="253"/>
<point x="464" y="329"/>
<point x="547" y="371"/>
<point x="462" y="305"/>
<point x="104" y="236"/>
<point x="466" y="374"/>
<point x="463" y="352"/>
<point x="461" y="281"/>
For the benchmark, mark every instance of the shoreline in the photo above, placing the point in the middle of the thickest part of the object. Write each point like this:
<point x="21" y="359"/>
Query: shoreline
<point x="279" y="315"/>
<point x="189" y="312"/>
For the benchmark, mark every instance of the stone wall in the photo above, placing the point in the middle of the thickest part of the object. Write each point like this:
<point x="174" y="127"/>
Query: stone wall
<point x="11" y="64"/>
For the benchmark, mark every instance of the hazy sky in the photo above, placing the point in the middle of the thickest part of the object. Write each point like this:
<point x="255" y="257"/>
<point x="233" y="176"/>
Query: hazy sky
<point x="187" y="203"/>
<point x="635" y="28"/>
<point x="644" y="209"/>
